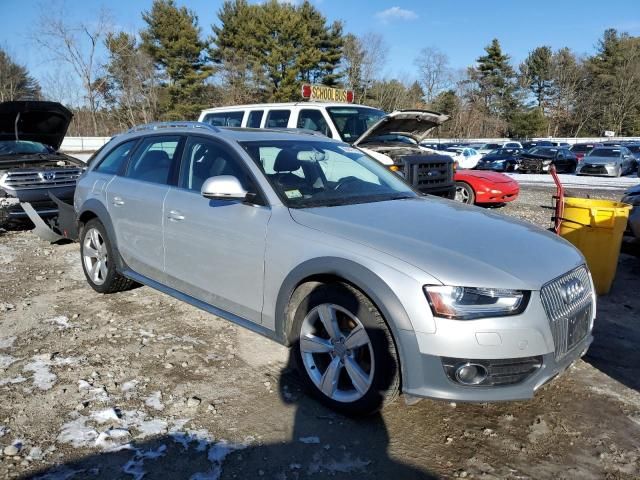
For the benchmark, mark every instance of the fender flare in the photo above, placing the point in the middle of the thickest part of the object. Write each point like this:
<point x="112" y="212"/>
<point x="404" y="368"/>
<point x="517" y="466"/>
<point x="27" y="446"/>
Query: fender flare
<point x="97" y="208"/>
<point x="360" y="277"/>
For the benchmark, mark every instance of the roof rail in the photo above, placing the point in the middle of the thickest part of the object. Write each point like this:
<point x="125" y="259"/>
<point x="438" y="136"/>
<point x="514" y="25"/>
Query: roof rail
<point x="175" y="124"/>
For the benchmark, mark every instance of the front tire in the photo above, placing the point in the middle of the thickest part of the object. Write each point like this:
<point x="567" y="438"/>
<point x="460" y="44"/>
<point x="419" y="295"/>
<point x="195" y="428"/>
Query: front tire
<point x="97" y="258"/>
<point x="464" y="193"/>
<point x="343" y="348"/>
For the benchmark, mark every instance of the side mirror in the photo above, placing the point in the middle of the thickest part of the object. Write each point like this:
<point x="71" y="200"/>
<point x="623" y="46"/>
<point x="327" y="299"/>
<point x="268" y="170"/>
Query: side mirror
<point x="223" y="187"/>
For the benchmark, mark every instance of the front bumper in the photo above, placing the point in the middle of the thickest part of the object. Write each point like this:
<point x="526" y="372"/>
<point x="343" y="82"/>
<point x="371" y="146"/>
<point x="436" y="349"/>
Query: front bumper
<point x="501" y="193"/>
<point x="436" y="385"/>
<point x="604" y="170"/>
<point x="502" y="338"/>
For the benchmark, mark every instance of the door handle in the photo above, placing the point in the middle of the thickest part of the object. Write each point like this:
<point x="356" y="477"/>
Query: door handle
<point x="175" y="215"/>
<point x="118" y="202"/>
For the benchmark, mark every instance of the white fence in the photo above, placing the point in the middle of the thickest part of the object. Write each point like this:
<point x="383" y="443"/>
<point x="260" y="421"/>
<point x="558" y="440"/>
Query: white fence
<point x="83" y="144"/>
<point x="91" y="144"/>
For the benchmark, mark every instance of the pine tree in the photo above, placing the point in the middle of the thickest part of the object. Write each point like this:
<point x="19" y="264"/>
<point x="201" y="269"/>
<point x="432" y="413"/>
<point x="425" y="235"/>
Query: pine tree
<point x="172" y="39"/>
<point x="274" y="47"/>
<point x="15" y="81"/>
<point x="537" y="74"/>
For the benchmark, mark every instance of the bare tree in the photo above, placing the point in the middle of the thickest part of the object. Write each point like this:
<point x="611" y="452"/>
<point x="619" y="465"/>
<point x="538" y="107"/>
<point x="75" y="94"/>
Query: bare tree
<point x="130" y="86"/>
<point x="77" y="44"/>
<point x="363" y="59"/>
<point x="434" y="72"/>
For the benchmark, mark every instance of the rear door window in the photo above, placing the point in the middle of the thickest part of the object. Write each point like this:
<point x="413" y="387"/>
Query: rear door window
<point x="255" y="118"/>
<point x="278" y="118"/>
<point x="312" y="119"/>
<point x="225" y="119"/>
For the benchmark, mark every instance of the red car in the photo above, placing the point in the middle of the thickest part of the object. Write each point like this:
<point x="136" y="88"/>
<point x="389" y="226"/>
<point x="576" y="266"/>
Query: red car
<point x="484" y="187"/>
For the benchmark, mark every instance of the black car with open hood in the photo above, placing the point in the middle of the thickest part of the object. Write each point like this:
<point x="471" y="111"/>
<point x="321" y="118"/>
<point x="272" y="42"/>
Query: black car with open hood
<point x="41" y="122"/>
<point x="31" y="168"/>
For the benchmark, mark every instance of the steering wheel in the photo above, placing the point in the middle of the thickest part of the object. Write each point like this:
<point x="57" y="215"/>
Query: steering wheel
<point x="345" y="181"/>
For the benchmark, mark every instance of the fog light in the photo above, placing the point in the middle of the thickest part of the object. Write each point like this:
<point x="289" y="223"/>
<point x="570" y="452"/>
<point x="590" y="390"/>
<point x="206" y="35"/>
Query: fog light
<point x="471" y="373"/>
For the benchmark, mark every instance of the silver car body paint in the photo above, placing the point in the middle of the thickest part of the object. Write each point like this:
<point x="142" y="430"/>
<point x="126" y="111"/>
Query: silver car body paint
<point x="242" y="262"/>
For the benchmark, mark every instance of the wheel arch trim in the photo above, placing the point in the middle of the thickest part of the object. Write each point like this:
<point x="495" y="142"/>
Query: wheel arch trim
<point x="359" y="277"/>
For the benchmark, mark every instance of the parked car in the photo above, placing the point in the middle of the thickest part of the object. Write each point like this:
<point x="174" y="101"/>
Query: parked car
<point x="31" y="166"/>
<point x="581" y="149"/>
<point x="634" y="148"/>
<point x="632" y="197"/>
<point x="488" y="147"/>
<point x="536" y="143"/>
<point x="609" y="161"/>
<point x="500" y="160"/>
<point x="539" y="159"/>
<point x="476" y="187"/>
<point x="382" y="136"/>
<point x="315" y="245"/>
<point x="465" y="157"/>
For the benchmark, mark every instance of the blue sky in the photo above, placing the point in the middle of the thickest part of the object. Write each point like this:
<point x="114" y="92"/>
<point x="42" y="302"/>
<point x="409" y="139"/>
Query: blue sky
<point x="459" y="28"/>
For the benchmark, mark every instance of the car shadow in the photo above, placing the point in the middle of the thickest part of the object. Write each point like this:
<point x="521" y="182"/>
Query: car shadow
<point x="615" y="349"/>
<point x="322" y="444"/>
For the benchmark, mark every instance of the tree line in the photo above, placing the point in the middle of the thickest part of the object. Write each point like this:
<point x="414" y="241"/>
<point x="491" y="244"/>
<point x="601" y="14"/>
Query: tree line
<point x="264" y="52"/>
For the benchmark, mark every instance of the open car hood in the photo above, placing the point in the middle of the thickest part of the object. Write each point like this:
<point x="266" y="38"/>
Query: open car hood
<point x="415" y="124"/>
<point x="43" y="122"/>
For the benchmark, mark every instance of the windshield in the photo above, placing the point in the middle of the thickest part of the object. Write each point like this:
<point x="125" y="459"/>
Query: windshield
<point x="543" y="151"/>
<point x="634" y="148"/>
<point x="392" y="138"/>
<point x="604" y="152"/>
<point x="352" y="122"/>
<point x="13" y="147"/>
<point x="490" y="146"/>
<point x="315" y="173"/>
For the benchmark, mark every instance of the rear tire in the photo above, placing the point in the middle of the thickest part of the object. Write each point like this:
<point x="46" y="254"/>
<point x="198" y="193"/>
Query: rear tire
<point x="343" y="348"/>
<point x="464" y="193"/>
<point x="97" y="257"/>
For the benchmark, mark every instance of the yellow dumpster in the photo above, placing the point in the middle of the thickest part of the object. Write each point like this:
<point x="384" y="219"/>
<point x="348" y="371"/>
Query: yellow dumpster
<point x="596" y="227"/>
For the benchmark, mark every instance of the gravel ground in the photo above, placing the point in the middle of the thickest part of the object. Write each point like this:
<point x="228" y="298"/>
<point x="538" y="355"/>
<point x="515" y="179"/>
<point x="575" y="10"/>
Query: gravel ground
<point x="137" y="385"/>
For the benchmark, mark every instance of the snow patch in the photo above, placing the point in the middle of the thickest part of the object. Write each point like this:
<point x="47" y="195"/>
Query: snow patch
<point x="154" y="401"/>
<point x="11" y="381"/>
<point x="6" y="360"/>
<point x="6" y="342"/>
<point x="41" y="365"/>
<point x="134" y="467"/>
<point x="104" y="416"/>
<point x="62" y="322"/>
<point x="3" y="430"/>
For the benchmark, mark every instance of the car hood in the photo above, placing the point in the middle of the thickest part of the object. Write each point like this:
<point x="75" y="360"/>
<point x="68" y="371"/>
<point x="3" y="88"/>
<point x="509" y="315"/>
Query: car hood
<point x="599" y="160"/>
<point x="414" y="124"/>
<point x="534" y="156"/>
<point x="43" y="122"/>
<point x="493" y="177"/>
<point x="455" y="243"/>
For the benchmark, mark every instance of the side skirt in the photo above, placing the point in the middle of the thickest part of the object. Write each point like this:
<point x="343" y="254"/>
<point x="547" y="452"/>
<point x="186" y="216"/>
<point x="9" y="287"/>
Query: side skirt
<point x="254" y="327"/>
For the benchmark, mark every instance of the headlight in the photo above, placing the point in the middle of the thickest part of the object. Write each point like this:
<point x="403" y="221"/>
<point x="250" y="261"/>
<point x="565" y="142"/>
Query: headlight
<point x="546" y="162"/>
<point x="467" y="303"/>
<point x="612" y="164"/>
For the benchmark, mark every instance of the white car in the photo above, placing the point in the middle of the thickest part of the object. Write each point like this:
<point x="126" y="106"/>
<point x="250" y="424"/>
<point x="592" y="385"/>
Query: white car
<point x="465" y="156"/>
<point x="488" y="147"/>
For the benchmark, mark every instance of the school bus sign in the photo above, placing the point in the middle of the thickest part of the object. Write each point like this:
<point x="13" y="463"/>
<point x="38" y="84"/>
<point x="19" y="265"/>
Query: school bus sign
<point x="321" y="93"/>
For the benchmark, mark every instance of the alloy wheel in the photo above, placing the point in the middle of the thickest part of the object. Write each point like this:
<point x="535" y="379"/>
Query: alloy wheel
<point x="337" y="353"/>
<point x="462" y="195"/>
<point x="95" y="256"/>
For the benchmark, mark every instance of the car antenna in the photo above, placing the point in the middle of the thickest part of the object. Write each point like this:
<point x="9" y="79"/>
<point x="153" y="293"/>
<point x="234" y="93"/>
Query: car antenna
<point x="15" y="125"/>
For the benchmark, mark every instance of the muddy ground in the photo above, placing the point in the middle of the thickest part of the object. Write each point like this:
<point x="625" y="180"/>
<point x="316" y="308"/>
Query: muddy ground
<point x="137" y="385"/>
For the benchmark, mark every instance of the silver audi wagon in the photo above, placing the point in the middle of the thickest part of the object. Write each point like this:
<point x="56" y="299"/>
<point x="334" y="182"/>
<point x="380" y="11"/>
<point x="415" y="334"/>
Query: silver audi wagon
<point x="376" y="288"/>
